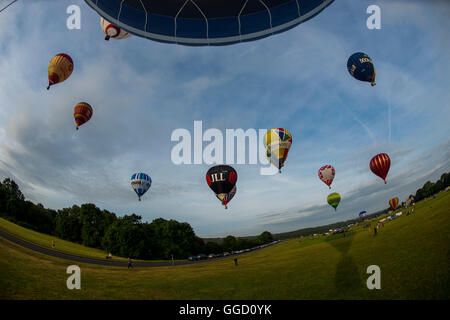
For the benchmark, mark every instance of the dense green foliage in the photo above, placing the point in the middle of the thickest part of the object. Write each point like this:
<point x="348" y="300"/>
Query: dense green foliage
<point x="430" y="188"/>
<point x="126" y="236"/>
<point x="129" y="236"/>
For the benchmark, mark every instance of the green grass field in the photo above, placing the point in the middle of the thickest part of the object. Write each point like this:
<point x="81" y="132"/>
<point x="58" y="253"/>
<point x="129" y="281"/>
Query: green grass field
<point x="45" y="240"/>
<point x="412" y="252"/>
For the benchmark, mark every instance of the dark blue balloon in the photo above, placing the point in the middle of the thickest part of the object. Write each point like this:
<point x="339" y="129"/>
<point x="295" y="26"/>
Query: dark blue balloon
<point x="361" y="67"/>
<point x="207" y="22"/>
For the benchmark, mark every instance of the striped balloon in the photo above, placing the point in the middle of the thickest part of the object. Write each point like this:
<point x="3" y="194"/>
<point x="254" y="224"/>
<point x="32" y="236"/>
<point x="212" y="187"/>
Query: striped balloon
<point x="113" y="31"/>
<point x="277" y="142"/>
<point x="59" y="69"/>
<point x="82" y="113"/>
<point x="380" y="165"/>
<point x="326" y="174"/>
<point x="140" y="182"/>
<point x="333" y="199"/>
<point x="393" y="203"/>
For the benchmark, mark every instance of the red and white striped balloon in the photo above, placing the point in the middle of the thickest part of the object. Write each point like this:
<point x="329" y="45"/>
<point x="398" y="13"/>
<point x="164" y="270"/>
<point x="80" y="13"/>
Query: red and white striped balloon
<point x="326" y="174"/>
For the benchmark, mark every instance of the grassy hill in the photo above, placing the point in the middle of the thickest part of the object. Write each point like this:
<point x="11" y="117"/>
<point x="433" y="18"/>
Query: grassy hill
<point x="412" y="252"/>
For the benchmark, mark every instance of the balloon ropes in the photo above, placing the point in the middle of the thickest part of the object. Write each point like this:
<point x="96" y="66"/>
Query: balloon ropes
<point x="207" y="22"/>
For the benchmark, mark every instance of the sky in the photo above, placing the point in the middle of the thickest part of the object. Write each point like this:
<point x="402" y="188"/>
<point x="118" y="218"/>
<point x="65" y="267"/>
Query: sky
<point x="141" y="91"/>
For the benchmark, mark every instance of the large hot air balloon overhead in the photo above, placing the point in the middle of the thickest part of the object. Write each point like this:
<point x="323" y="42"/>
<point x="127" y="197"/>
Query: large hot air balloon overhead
<point x="59" y="69"/>
<point x="333" y="199"/>
<point x="277" y="142"/>
<point x="207" y="22"/>
<point x="326" y="174"/>
<point x="221" y="179"/>
<point x="380" y="165"/>
<point x="393" y="203"/>
<point x="113" y="31"/>
<point x="140" y="182"/>
<point x="361" y="67"/>
<point x="82" y="113"/>
<point x="228" y="197"/>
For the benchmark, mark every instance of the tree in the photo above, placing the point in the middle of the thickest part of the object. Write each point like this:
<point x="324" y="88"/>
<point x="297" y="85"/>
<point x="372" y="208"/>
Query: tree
<point x="265" y="237"/>
<point x="229" y="243"/>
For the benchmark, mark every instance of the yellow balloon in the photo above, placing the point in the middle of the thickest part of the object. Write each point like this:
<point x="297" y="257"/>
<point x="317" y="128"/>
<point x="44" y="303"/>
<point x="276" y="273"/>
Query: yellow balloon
<point x="277" y="142"/>
<point x="59" y="69"/>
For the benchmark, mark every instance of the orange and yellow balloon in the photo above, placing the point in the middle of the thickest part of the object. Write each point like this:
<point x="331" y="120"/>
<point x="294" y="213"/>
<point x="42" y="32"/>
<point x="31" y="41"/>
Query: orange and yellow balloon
<point x="59" y="69"/>
<point x="82" y="113"/>
<point x="393" y="203"/>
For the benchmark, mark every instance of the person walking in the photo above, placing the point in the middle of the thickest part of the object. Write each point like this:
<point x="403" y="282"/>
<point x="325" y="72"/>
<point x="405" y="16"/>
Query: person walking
<point x="130" y="265"/>
<point x="53" y="244"/>
<point x="235" y="262"/>
<point x="375" y="230"/>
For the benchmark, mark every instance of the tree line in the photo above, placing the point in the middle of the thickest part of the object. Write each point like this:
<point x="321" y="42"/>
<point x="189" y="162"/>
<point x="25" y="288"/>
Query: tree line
<point x="126" y="236"/>
<point x="430" y="188"/>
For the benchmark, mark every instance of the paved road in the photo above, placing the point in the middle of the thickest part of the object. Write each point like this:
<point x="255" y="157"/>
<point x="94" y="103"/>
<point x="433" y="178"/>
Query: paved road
<point x="70" y="257"/>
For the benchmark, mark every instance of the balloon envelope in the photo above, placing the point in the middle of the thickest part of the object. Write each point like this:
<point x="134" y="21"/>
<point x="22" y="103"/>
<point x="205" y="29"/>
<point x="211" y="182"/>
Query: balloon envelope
<point x="363" y="214"/>
<point x="333" y="199"/>
<point x="361" y="67"/>
<point x="207" y="22"/>
<point x="393" y="203"/>
<point x="380" y="165"/>
<point x="60" y="68"/>
<point x="221" y="179"/>
<point x="82" y="113"/>
<point x="112" y="31"/>
<point x="326" y="174"/>
<point x="140" y="182"/>
<point x="277" y="142"/>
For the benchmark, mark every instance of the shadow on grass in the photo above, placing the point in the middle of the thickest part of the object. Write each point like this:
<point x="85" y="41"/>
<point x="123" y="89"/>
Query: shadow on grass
<point x="347" y="281"/>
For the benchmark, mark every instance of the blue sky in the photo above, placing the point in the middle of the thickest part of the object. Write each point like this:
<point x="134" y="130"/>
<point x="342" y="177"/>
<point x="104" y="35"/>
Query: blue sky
<point x="143" y="90"/>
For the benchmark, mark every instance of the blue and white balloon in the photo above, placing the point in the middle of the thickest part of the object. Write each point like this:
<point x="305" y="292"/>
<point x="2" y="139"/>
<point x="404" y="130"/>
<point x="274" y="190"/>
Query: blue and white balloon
<point x="140" y="182"/>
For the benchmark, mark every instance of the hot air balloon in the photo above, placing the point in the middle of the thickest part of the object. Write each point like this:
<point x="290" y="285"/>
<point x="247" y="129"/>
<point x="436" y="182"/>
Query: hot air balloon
<point x="361" y="67"/>
<point x="228" y="198"/>
<point x="363" y="215"/>
<point x="326" y="174"/>
<point x="59" y="69"/>
<point x="380" y="165"/>
<point x="82" y="113"/>
<point x="333" y="200"/>
<point x="140" y="182"/>
<point x="113" y="31"/>
<point x="393" y="203"/>
<point x="277" y="142"/>
<point x="207" y="22"/>
<point x="221" y="179"/>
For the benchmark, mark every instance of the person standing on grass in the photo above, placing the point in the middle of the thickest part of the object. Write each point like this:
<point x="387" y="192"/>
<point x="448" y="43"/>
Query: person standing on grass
<point x="375" y="230"/>
<point x="53" y="244"/>
<point x="130" y="265"/>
